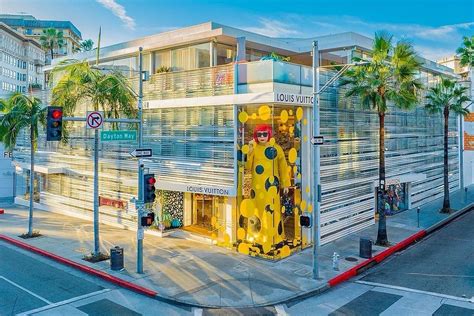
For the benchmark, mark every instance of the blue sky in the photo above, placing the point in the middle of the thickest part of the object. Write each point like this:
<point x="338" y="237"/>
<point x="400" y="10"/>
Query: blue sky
<point x="435" y="27"/>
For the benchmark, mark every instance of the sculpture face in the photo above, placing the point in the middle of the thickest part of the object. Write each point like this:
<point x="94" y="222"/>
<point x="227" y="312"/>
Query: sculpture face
<point x="262" y="137"/>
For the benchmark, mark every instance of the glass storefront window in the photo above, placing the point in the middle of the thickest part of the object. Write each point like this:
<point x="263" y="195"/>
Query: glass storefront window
<point x="269" y="197"/>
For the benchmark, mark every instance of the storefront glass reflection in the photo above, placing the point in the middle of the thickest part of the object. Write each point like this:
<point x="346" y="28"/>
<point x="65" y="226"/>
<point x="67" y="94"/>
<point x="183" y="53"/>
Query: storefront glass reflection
<point x="269" y="193"/>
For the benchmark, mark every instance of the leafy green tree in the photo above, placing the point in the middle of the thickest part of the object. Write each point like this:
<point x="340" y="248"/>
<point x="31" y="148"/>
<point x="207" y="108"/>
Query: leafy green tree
<point x="466" y="52"/>
<point x="23" y="112"/>
<point x="388" y="76"/>
<point x="447" y="97"/>
<point x="87" y="45"/>
<point x="52" y="39"/>
<point x="77" y="82"/>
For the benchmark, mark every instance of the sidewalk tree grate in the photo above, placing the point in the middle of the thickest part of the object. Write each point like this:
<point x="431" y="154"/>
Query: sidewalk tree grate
<point x="351" y="259"/>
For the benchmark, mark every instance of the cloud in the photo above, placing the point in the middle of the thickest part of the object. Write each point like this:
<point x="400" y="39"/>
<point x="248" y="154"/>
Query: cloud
<point x="272" y="28"/>
<point x="119" y="11"/>
<point x="443" y="31"/>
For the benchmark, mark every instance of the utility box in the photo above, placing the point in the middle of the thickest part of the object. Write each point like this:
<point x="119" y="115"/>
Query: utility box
<point x="116" y="258"/>
<point x="365" y="248"/>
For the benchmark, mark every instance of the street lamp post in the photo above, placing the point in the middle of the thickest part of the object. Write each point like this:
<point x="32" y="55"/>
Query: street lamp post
<point x="316" y="158"/>
<point x="316" y="186"/>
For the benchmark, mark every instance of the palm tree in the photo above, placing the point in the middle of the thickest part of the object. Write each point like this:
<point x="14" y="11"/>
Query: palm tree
<point x="388" y="76"/>
<point x="22" y="112"/>
<point x="110" y="92"/>
<point x="445" y="97"/>
<point x="87" y="45"/>
<point x="466" y="52"/>
<point x="52" y="39"/>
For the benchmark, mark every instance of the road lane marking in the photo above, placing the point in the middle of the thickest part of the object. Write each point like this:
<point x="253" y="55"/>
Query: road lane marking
<point x="406" y="289"/>
<point x="26" y="290"/>
<point x="65" y="302"/>
<point x="280" y="310"/>
<point x="442" y="275"/>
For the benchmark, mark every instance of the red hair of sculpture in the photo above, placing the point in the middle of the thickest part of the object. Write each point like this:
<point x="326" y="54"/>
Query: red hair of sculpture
<point x="262" y="128"/>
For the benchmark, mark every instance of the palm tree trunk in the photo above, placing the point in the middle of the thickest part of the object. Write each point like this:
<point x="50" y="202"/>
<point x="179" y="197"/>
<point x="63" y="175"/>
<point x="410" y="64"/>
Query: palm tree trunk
<point x="52" y="54"/>
<point x="32" y="179"/>
<point x="446" y="203"/>
<point x="382" y="239"/>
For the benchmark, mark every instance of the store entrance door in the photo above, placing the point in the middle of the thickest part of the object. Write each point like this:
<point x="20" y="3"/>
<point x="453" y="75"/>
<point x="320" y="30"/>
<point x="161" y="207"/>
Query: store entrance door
<point x="203" y="209"/>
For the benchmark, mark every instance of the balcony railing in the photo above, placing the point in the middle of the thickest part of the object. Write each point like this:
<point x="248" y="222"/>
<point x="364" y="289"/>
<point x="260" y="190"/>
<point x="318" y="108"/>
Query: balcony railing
<point x="274" y="71"/>
<point x="201" y="82"/>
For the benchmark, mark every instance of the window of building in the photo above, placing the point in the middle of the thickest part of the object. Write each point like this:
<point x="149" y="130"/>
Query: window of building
<point x="225" y="54"/>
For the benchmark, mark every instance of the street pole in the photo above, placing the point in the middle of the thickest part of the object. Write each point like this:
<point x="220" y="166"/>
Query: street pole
<point x="96" y="192"/>
<point x="140" y="203"/>
<point x="96" y="171"/>
<point x="316" y="187"/>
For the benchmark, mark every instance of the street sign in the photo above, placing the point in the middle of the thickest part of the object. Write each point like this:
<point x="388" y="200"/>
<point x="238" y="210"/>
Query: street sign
<point x="95" y="119"/>
<point x="111" y="136"/>
<point x="141" y="153"/>
<point x="317" y="140"/>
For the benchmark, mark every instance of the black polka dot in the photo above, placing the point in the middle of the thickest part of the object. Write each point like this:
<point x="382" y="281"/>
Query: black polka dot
<point x="270" y="153"/>
<point x="252" y="193"/>
<point x="240" y="155"/>
<point x="275" y="183"/>
<point x="280" y="228"/>
<point x="259" y="169"/>
<point x="268" y="209"/>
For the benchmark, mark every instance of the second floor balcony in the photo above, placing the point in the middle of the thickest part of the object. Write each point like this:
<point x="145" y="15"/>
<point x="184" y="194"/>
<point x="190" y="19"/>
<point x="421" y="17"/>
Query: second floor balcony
<point x="248" y="77"/>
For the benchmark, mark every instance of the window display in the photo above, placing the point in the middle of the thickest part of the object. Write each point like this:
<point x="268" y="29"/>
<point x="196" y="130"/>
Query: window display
<point x="269" y="195"/>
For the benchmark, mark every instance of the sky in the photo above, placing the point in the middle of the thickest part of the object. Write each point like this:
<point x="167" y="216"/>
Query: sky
<point x="434" y="27"/>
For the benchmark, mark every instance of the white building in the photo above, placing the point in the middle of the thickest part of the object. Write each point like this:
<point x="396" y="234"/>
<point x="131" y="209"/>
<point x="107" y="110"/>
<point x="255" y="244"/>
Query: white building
<point x="467" y="76"/>
<point x="21" y="62"/>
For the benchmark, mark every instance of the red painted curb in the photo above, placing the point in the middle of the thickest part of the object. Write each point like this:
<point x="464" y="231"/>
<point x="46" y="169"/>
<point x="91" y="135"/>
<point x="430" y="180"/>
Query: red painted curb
<point x="352" y="272"/>
<point x="2" y="211"/>
<point x="84" y="268"/>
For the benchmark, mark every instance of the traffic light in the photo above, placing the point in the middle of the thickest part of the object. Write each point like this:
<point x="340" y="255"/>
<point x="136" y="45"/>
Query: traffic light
<point x="305" y="221"/>
<point x="54" y="123"/>
<point x="148" y="220"/>
<point x="149" y="188"/>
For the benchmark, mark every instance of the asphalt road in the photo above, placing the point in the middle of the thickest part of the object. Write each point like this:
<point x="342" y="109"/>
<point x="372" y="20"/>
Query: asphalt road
<point x="432" y="277"/>
<point x="33" y="285"/>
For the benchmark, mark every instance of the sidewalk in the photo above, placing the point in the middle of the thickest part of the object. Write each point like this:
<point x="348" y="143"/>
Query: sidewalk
<point x="209" y="276"/>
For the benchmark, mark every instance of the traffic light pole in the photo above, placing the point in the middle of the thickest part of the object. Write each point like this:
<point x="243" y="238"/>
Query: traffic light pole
<point x="140" y="202"/>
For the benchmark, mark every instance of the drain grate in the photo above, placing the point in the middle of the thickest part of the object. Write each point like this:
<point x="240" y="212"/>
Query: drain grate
<point x="351" y="259"/>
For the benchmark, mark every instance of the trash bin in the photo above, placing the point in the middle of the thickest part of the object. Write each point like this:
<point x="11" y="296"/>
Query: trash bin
<point x="365" y="248"/>
<point x="116" y="258"/>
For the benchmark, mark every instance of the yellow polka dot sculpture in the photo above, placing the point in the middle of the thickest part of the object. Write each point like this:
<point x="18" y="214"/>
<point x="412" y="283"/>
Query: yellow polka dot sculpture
<point x="269" y="169"/>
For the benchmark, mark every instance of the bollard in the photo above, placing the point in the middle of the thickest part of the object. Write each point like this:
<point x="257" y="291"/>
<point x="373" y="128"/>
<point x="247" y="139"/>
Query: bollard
<point x="335" y="261"/>
<point x="418" y="216"/>
<point x="365" y="248"/>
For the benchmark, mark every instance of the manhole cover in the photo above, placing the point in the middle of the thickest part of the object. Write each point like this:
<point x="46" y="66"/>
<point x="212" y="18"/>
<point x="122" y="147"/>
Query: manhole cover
<point x="351" y="259"/>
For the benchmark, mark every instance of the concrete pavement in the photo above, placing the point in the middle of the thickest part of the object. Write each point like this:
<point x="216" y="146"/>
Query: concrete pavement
<point x="209" y="276"/>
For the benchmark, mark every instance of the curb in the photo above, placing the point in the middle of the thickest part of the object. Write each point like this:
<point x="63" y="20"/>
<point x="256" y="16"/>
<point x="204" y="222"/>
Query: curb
<point x="367" y="264"/>
<point x="82" y="267"/>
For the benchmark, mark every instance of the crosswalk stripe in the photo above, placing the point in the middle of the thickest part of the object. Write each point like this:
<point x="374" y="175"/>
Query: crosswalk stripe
<point x="406" y="289"/>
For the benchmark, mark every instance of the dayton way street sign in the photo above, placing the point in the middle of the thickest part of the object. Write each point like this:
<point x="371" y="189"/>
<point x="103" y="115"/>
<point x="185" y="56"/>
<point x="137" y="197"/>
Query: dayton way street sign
<point x="95" y="119"/>
<point x="110" y="136"/>
<point x="141" y="153"/>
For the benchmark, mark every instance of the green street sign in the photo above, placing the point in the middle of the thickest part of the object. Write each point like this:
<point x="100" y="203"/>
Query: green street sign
<point x="113" y="136"/>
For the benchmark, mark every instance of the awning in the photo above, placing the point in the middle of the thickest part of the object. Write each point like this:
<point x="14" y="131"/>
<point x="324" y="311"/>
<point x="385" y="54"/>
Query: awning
<point x="41" y="168"/>
<point x="404" y="178"/>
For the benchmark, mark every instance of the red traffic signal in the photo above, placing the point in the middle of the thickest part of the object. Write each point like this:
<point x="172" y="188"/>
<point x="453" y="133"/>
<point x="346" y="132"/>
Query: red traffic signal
<point x="149" y="188"/>
<point x="54" y="122"/>
<point x="57" y="114"/>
